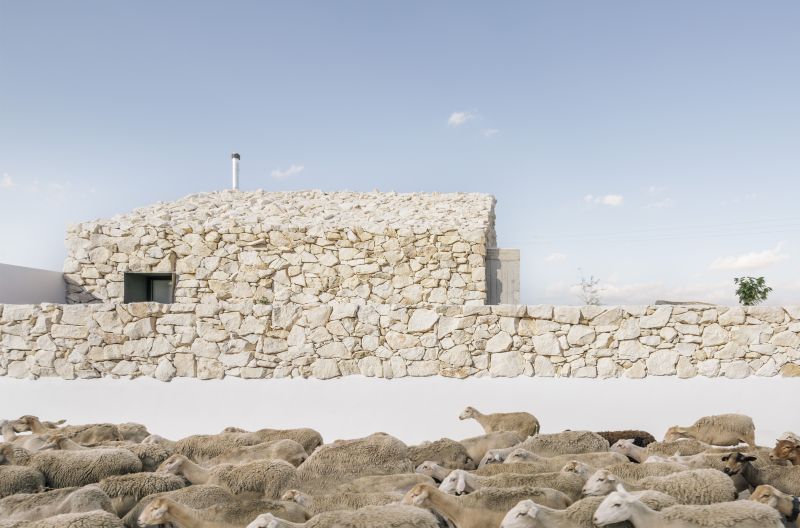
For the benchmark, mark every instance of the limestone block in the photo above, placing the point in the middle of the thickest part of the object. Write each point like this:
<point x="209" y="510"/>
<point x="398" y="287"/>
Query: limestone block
<point x="580" y="335"/>
<point x="662" y="363"/>
<point x="714" y="335"/>
<point x="500" y="342"/>
<point x="567" y="314"/>
<point x="165" y="370"/>
<point x="658" y="319"/>
<point x="506" y="364"/>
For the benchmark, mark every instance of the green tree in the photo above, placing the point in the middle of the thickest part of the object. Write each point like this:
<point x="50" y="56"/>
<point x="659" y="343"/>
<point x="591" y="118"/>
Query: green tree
<point x="751" y="290"/>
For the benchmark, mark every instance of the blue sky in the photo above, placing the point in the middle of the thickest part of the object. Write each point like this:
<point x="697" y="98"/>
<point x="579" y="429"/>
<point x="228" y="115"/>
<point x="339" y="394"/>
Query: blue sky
<point x="655" y="145"/>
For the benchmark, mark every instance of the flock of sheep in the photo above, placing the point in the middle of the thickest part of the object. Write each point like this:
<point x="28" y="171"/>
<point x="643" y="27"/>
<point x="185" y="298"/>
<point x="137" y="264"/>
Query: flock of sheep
<point x="110" y="476"/>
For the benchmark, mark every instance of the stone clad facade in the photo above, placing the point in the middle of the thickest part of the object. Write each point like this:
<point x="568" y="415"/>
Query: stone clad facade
<point x="251" y="340"/>
<point x="304" y="248"/>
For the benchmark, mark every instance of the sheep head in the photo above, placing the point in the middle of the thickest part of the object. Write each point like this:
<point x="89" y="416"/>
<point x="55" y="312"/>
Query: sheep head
<point x="427" y="468"/>
<point x="155" y="512"/>
<point x="581" y="469"/>
<point x="766" y="494"/>
<point x="520" y="515"/>
<point x="493" y="456"/>
<point x="265" y="520"/>
<point x="173" y="464"/>
<point x="24" y="423"/>
<point x="455" y="483"/>
<point x="521" y="455"/>
<point x="784" y="450"/>
<point x="469" y="412"/>
<point x="736" y="462"/>
<point x="600" y="483"/>
<point x="615" y="508"/>
<point x="54" y="441"/>
<point x="417" y="495"/>
<point x="676" y="433"/>
<point x="298" y="497"/>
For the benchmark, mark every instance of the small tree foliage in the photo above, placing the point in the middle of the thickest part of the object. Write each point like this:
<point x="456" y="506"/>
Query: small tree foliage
<point x="590" y="291"/>
<point x="751" y="290"/>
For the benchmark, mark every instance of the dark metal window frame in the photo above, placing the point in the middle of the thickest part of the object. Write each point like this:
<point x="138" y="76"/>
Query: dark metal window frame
<point x="139" y="286"/>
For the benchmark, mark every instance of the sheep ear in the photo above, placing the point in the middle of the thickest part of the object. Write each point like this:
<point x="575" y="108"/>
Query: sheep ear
<point x="462" y="483"/>
<point x="622" y="491"/>
<point x="612" y="478"/>
<point x="750" y="459"/>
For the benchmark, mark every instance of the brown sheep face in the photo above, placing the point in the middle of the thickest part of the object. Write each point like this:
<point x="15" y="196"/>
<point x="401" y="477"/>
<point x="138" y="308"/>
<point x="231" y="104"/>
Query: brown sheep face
<point x="735" y="462"/>
<point x="765" y="495"/>
<point x="154" y="513"/>
<point x="784" y="450"/>
<point x="416" y="496"/>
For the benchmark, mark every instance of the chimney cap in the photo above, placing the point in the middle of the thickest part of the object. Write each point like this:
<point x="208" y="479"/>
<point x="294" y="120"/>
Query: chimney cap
<point x="235" y="155"/>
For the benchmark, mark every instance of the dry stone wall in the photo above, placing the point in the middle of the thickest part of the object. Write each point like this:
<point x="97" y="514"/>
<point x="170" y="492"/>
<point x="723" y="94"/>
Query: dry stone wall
<point x="252" y="340"/>
<point x="305" y="248"/>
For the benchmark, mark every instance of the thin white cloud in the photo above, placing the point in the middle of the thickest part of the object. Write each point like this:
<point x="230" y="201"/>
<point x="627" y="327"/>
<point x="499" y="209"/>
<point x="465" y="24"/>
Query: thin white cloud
<point x="457" y="119"/>
<point x="7" y="182"/>
<point x="656" y="189"/>
<point x="489" y="132"/>
<point x="291" y="171"/>
<point x="666" y="203"/>
<point x="612" y="200"/>
<point x="555" y="257"/>
<point x="750" y="261"/>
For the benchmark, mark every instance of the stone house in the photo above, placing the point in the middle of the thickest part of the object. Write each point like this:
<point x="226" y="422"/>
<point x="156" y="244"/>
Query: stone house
<point x="305" y="248"/>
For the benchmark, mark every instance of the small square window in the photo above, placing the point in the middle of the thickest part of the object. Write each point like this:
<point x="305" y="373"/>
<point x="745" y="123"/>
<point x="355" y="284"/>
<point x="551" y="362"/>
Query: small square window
<point x="149" y="287"/>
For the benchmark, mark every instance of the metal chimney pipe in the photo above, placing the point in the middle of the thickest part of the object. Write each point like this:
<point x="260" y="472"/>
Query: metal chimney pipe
<point x="235" y="161"/>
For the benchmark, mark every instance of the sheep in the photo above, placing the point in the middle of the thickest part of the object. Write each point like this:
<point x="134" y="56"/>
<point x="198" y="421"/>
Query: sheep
<point x="460" y="481"/>
<point x="565" y="443"/>
<point x="531" y="468"/>
<point x="287" y="450"/>
<point x="624" y="471"/>
<point x="95" y="519"/>
<point x="390" y="516"/>
<point x="445" y="452"/>
<point x="32" y="442"/>
<point x="529" y="514"/>
<point x="14" y="455"/>
<point x="341" y="462"/>
<point x="198" y="496"/>
<point x="339" y="501"/>
<point x="308" y="438"/>
<point x="694" y="486"/>
<point x="64" y="469"/>
<point x="623" y="506"/>
<point x="790" y="437"/>
<point x="786" y="450"/>
<point x="20" y="479"/>
<point x="396" y="483"/>
<point x="523" y="423"/>
<point x="36" y="506"/>
<point x="784" y="478"/>
<point x="133" y="432"/>
<point x="200" y="448"/>
<point x="82" y="434"/>
<point x="151" y="455"/>
<point x="722" y="429"/>
<point x="160" y="440"/>
<point x="163" y="510"/>
<point x="433" y="470"/>
<point x="787" y="505"/>
<point x="503" y="499"/>
<point x="268" y="477"/>
<point x="426" y="496"/>
<point x="640" y="438"/>
<point x="477" y="446"/>
<point x="126" y="490"/>
<point x="603" y="458"/>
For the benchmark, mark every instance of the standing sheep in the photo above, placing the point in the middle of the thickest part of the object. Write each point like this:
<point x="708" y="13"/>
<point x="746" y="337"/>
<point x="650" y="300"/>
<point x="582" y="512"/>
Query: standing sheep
<point x="288" y="450"/>
<point x="269" y="478"/>
<point x="445" y="452"/>
<point x="64" y="469"/>
<point x="317" y="504"/>
<point x="721" y="430"/>
<point x="82" y="434"/>
<point x="32" y="442"/>
<point x="621" y="506"/>
<point x="787" y="505"/>
<point x="340" y="462"/>
<point x="477" y="446"/>
<point x="95" y="519"/>
<point x="37" y="506"/>
<point x="20" y="479"/>
<point x="126" y="490"/>
<point x="460" y="481"/>
<point x="784" y="478"/>
<point x="529" y="514"/>
<point x="163" y="510"/>
<point x="695" y="486"/>
<point x="425" y="496"/>
<point x="394" y="516"/>
<point x="523" y="423"/>
<point x="565" y="443"/>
